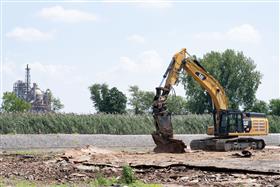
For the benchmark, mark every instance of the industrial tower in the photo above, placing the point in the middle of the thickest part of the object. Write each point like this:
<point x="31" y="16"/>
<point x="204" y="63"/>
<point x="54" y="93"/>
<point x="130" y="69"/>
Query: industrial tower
<point x="39" y="100"/>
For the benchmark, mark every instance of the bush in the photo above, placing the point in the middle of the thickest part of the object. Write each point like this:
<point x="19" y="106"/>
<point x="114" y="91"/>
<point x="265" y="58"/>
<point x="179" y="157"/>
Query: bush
<point x="274" y="124"/>
<point x="127" y="175"/>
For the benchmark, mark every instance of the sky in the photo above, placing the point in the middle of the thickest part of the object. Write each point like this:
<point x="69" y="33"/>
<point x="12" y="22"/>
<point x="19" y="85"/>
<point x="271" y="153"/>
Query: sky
<point x="72" y="45"/>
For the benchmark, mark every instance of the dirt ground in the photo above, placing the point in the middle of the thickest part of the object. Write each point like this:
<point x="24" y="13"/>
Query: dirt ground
<point x="193" y="168"/>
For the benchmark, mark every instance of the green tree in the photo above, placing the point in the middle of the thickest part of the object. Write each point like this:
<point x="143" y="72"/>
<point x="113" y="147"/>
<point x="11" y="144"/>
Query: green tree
<point x="107" y="100"/>
<point x="56" y="103"/>
<point x="260" y="106"/>
<point x="11" y="103"/>
<point x="274" y="106"/>
<point x="141" y="101"/>
<point x="235" y="72"/>
<point x="176" y="104"/>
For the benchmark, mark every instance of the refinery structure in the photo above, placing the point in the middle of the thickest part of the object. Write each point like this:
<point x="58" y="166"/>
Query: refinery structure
<point x="40" y="100"/>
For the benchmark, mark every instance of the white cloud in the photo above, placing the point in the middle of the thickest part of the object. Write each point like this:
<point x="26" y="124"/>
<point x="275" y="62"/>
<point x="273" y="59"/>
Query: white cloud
<point x="58" y="13"/>
<point x="11" y="70"/>
<point x="29" y="34"/>
<point x="127" y="64"/>
<point x="57" y="70"/>
<point x="44" y="71"/>
<point x="135" y="38"/>
<point x="145" y="70"/>
<point x="245" y="33"/>
<point x="151" y="61"/>
<point x="209" y="36"/>
<point x="147" y="61"/>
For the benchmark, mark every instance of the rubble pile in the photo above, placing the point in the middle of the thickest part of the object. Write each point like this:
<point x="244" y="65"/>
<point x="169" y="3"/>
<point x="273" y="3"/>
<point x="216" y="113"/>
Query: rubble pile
<point x="190" y="168"/>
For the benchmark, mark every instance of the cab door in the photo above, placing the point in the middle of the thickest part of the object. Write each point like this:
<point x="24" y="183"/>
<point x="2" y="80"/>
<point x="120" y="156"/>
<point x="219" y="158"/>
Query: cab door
<point x="231" y="122"/>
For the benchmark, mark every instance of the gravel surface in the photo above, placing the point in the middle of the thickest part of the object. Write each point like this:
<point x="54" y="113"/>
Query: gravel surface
<point x="44" y="141"/>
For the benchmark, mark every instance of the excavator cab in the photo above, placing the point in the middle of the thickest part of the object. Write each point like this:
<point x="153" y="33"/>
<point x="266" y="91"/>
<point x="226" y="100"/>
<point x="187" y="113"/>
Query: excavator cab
<point x="230" y="122"/>
<point x="236" y="123"/>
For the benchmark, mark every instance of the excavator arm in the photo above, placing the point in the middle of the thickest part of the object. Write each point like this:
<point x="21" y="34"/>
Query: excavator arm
<point x="194" y="69"/>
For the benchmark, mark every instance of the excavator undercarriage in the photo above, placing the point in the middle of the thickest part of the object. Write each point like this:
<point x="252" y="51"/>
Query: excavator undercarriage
<point x="226" y="144"/>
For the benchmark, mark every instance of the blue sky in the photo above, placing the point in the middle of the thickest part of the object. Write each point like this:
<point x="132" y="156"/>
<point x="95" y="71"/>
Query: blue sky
<point x="70" y="46"/>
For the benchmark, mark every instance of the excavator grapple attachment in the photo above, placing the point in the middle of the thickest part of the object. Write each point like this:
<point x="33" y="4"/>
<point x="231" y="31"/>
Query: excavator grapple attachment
<point x="163" y="137"/>
<point x="169" y="145"/>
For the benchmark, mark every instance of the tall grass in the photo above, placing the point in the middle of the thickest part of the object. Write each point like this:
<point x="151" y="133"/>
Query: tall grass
<point x="274" y="124"/>
<point x="28" y="123"/>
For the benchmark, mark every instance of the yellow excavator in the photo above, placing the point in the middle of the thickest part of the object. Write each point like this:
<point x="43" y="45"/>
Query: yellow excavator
<point x="228" y="124"/>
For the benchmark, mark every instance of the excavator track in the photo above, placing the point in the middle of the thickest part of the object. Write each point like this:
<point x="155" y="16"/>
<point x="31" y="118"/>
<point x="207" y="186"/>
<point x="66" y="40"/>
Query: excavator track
<point x="227" y="144"/>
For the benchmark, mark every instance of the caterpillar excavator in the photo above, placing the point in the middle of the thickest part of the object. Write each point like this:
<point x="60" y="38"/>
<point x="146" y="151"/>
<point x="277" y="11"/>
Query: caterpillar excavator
<point x="228" y="124"/>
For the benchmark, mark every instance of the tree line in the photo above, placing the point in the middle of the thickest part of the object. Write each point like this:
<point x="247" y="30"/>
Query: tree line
<point x="114" y="101"/>
<point x="236" y="73"/>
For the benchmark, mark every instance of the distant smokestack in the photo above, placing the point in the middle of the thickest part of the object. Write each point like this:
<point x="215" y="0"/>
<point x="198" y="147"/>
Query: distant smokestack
<point x="27" y="79"/>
